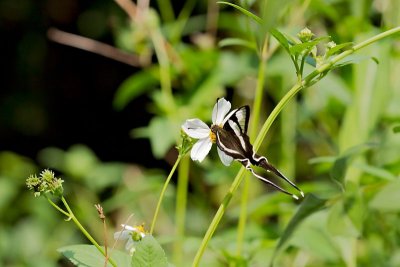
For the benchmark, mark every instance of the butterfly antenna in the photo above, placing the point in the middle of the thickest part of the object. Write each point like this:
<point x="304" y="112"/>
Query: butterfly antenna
<point x="217" y="107"/>
<point x="269" y="167"/>
<point x="265" y="180"/>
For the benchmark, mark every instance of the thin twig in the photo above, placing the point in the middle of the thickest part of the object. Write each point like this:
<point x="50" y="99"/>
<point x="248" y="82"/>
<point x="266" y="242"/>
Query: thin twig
<point x="129" y="7"/>
<point x="93" y="46"/>
<point x="212" y="18"/>
<point x="102" y="217"/>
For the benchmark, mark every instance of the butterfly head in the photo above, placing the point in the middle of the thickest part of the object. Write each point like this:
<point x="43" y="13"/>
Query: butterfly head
<point x="213" y="132"/>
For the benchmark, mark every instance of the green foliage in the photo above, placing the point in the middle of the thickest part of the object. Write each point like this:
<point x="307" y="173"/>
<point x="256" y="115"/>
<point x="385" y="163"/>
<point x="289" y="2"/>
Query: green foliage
<point x="149" y="253"/>
<point x="89" y="256"/>
<point x="336" y="132"/>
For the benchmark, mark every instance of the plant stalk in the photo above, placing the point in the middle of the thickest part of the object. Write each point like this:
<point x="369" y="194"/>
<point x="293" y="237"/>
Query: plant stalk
<point x="180" y="209"/>
<point x="162" y="193"/>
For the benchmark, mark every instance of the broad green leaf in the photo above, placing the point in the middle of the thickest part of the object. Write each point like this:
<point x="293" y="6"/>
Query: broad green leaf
<point x="134" y="86"/>
<point x="339" y="223"/>
<point x="309" y="205"/>
<point x="238" y="42"/>
<point x="232" y="67"/>
<point x="396" y="129"/>
<point x="89" y="256"/>
<point x="313" y="237"/>
<point x="387" y="199"/>
<point x="161" y="133"/>
<point x="354" y="206"/>
<point x="148" y="253"/>
<point x="340" y="165"/>
<point x="244" y="11"/>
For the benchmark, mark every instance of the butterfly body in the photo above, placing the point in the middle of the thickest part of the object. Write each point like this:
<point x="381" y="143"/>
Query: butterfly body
<point x="232" y="139"/>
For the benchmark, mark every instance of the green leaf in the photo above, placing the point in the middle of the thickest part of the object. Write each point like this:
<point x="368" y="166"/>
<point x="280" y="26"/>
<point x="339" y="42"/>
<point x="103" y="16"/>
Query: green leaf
<point x="339" y="223"/>
<point x="231" y="68"/>
<point x="148" y="253"/>
<point x="238" y="42"/>
<point x="354" y="59"/>
<point x="89" y="256"/>
<point x="298" y="48"/>
<point x="318" y="160"/>
<point x="375" y="171"/>
<point x="280" y="38"/>
<point x="340" y="165"/>
<point x="396" y="129"/>
<point x="244" y="11"/>
<point x="338" y="47"/>
<point x="134" y="86"/>
<point x="387" y="199"/>
<point x="354" y="206"/>
<point x="313" y="237"/>
<point x="162" y="134"/>
<point x="311" y="61"/>
<point x="310" y="205"/>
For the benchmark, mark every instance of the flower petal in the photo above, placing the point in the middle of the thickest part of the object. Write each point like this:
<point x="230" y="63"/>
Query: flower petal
<point x="128" y="227"/>
<point x="125" y="233"/>
<point x="201" y="149"/>
<point x="221" y="108"/>
<point x="129" y="244"/>
<point x="226" y="160"/>
<point x="195" y="128"/>
<point x="121" y="235"/>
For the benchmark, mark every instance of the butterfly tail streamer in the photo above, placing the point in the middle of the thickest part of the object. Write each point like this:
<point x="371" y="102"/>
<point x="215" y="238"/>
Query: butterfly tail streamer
<point x="269" y="167"/>
<point x="265" y="180"/>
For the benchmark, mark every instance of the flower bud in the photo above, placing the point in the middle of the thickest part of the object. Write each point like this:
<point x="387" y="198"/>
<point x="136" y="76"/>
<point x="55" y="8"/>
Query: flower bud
<point x="330" y="45"/>
<point x="305" y="35"/>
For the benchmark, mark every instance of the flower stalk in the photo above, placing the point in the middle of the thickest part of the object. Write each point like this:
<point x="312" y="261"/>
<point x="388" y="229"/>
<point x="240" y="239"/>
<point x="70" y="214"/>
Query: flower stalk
<point x="160" y="199"/>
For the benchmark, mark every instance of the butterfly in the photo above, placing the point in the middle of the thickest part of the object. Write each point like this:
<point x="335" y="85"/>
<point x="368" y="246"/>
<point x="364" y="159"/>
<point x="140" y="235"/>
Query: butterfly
<point x="232" y="139"/>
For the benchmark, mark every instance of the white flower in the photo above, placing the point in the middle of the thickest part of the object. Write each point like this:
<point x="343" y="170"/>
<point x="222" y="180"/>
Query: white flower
<point x="197" y="129"/>
<point x="131" y="234"/>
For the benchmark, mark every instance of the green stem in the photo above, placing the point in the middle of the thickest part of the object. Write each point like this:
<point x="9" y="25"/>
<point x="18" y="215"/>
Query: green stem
<point x="242" y="216"/>
<point x="218" y="216"/>
<point x="181" y="21"/>
<point x="253" y="130"/>
<point x="255" y="116"/>
<point x="162" y="193"/>
<point x="57" y="207"/>
<point x="307" y="81"/>
<point x="86" y="233"/>
<point x="162" y="56"/>
<point x="180" y="209"/>
<point x="166" y="10"/>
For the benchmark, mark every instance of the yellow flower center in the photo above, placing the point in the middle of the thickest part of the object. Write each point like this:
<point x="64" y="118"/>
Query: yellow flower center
<point x="140" y="228"/>
<point x="213" y="137"/>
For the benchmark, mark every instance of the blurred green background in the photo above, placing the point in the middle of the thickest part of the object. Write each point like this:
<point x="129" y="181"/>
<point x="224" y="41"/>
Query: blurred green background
<point x="109" y="129"/>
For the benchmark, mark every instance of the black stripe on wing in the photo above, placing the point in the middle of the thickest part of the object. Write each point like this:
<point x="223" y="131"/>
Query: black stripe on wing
<point x="238" y="121"/>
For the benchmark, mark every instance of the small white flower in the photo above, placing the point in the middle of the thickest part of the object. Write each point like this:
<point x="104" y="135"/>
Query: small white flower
<point x="197" y="129"/>
<point x="130" y="234"/>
